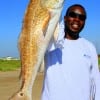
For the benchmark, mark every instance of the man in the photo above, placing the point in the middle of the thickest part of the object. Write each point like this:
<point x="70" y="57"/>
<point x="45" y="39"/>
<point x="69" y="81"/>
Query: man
<point x="72" y="67"/>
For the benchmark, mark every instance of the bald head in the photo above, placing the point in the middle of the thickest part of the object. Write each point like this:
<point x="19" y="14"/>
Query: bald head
<point x="72" y="7"/>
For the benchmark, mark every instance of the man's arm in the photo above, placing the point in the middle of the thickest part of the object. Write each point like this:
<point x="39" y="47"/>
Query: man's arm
<point x="95" y="76"/>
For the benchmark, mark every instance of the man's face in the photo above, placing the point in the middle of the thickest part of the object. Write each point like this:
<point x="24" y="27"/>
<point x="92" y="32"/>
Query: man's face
<point x="75" y="20"/>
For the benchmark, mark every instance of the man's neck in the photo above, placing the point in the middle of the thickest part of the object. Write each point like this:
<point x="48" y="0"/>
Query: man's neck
<point x="70" y="37"/>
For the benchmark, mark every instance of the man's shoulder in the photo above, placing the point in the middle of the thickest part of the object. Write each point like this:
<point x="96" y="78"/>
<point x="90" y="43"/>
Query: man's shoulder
<point x="88" y="43"/>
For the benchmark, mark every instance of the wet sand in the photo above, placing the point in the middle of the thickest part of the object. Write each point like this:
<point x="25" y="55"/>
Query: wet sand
<point x="10" y="83"/>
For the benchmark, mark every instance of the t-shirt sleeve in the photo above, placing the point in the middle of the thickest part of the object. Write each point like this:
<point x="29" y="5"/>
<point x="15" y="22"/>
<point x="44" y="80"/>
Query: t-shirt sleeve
<point x="95" y="75"/>
<point x="52" y="45"/>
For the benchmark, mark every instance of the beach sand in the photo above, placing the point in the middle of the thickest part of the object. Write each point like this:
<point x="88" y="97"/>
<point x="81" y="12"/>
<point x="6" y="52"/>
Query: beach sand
<point x="10" y="83"/>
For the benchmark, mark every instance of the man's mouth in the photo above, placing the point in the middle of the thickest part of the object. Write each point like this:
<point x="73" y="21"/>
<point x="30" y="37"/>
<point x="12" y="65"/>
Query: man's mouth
<point x="75" y="26"/>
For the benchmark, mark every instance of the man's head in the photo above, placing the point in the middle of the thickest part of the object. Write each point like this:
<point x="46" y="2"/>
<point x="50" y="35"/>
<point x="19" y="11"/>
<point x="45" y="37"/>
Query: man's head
<point x="74" y="21"/>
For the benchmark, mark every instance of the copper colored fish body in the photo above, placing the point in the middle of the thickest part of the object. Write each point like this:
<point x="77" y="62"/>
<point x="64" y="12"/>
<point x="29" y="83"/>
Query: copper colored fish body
<point x="40" y="21"/>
